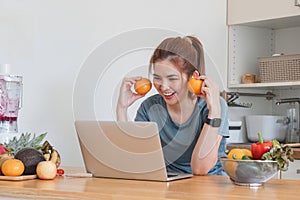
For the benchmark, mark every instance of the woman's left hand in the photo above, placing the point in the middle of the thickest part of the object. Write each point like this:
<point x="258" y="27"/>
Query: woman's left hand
<point x="210" y="92"/>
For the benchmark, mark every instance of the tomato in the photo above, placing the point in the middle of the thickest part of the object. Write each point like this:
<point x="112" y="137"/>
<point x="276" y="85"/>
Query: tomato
<point x="60" y="172"/>
<point x="194" y="85"/>
<point x="142" y="86"/>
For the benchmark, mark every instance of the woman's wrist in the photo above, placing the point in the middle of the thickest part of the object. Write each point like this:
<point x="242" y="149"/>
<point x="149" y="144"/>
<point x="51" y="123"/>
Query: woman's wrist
<point x="214" y="113"/>
<point x="121" y="113"/>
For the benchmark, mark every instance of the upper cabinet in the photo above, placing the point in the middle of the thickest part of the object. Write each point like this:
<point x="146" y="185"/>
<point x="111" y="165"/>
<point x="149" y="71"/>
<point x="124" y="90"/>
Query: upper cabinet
<point x="279" y="13"/>
<point x="260" y="29"/>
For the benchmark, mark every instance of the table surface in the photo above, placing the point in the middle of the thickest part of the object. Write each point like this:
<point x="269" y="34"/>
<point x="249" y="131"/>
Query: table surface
<point x="197" y="187"/>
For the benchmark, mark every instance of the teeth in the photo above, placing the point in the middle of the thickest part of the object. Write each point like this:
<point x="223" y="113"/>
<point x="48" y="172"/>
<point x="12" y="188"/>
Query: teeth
<point x="168" y="94"/>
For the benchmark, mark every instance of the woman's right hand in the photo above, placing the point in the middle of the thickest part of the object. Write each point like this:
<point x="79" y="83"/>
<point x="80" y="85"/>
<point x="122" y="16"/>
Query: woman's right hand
<point x="126" y="96"/>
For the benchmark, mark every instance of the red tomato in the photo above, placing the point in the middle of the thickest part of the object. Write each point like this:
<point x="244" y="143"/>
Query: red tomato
<point x="60" y="172"/>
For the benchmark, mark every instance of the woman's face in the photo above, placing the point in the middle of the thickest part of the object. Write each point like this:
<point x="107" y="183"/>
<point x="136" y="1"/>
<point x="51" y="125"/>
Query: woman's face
<point x="170" y="83"/>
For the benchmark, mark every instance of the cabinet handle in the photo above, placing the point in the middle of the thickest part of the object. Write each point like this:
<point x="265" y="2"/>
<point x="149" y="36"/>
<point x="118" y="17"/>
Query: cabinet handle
<point x="297" y="3"/>
<point x="298" y="171"/>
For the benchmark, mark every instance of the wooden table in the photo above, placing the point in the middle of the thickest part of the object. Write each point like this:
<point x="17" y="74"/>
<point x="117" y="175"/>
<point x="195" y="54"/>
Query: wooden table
<point x="197" y="187"/>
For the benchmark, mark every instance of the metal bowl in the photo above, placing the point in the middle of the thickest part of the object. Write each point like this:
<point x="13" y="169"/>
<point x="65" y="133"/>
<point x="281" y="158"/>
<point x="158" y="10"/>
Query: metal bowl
<point x="249" y="172"/>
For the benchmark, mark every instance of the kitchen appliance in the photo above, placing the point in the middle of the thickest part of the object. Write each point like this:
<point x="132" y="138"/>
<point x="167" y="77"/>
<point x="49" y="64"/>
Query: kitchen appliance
<point x="235" y="132"/>
<point x="293" y="129"/>
<point x="271" y="126"/>
<point x="10" y="102"/>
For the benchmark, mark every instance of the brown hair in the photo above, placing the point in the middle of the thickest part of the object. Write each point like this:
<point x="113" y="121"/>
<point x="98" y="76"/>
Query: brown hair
<point x="186" y="53"/>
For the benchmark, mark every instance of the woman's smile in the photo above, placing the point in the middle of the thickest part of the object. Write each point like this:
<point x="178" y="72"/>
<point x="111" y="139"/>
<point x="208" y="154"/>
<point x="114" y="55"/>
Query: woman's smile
<point x="169" y="95"/>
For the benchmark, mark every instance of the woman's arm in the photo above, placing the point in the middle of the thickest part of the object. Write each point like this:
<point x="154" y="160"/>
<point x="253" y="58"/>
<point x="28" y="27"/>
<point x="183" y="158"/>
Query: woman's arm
<point x="205" y="153"/>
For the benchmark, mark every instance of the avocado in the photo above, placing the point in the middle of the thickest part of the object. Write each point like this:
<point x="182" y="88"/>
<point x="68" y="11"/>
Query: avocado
<point x="30" y="157"/>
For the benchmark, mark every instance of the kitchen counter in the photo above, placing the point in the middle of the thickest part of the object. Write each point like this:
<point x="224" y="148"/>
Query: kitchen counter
<point x="197" y="187"/>
<point x="296" y="151"/>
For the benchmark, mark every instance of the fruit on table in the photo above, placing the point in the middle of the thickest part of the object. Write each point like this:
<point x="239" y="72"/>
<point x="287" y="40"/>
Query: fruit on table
<point x="195" y="85"/>
<point x="46" y="170"/>
<point x="60" y="172"/>
<point x="30" y="157"/>
<point x="142" y="86"/>
<point x="25" y="140"/>
<point x="12" y="167"/>
<point x="50" y="153"/>
<point x="2" y="159"/>
<point x="3" y="150"/>
<point x="239" y="154"/>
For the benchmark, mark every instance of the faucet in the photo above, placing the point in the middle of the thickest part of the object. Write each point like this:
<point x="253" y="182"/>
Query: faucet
<point x="288" y="100"/>
<point x="292" y="100"/>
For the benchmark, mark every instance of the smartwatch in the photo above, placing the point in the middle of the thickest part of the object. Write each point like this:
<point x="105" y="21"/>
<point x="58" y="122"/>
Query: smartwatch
<point x="215" y="122"/>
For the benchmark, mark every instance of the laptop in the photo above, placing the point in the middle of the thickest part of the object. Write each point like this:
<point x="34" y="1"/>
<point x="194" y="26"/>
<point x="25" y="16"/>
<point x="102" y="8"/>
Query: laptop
<point x="126" y="150"/>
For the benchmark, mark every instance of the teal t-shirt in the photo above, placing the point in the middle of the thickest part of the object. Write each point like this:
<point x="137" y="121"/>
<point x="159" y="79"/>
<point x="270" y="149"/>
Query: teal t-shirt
<point x="179" y="140"/>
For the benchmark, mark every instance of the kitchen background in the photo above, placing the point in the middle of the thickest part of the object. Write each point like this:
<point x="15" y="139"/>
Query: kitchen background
<point x="51" y="42"/>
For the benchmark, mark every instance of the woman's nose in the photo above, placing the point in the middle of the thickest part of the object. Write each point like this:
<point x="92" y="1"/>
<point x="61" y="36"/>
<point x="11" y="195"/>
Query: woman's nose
<point x="164" y="85"/>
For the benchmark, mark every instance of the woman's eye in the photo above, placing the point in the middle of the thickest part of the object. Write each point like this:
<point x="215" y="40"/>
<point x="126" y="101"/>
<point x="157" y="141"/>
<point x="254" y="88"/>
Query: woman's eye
<point x="173" y="79"/>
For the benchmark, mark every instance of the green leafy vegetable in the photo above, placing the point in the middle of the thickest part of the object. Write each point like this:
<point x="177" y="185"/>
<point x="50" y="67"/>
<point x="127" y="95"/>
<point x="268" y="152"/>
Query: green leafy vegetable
<point x="280" y="153"/>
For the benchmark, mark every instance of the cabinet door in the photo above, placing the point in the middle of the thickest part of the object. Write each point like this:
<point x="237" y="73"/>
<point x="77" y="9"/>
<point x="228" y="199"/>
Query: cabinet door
<point x="240" y="11"/>
<point x="293" y="172"/>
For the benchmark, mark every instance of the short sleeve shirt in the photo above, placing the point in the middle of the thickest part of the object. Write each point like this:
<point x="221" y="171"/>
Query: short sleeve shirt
<point x="179" y="140"/>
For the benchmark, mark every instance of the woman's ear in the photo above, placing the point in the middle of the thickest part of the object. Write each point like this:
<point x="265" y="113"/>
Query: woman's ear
<point x="196" y="73"/>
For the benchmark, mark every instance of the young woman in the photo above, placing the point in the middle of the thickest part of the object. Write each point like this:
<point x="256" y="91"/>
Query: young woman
<point x="191" y="128"/>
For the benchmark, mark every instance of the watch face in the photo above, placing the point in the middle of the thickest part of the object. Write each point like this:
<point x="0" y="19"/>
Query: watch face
<point x="216" y="122"/>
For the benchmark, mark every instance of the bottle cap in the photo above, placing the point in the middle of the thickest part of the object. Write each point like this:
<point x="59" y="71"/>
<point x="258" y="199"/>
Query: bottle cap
<point x="4" y="69"/>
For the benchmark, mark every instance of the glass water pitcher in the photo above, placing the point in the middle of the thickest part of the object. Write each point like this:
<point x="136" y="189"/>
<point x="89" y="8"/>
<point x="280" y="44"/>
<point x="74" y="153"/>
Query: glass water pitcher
<point x="11" y="88"/>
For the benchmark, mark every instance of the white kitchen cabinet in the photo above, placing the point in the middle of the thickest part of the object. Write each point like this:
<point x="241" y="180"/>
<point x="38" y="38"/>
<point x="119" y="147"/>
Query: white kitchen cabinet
<point x="259" y="29"/>
<point x="242" y="12"/>
<point x="293" y="172"/>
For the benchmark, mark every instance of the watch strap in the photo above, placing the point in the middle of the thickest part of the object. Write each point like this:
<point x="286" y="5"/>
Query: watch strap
<point x="215" y="122"/>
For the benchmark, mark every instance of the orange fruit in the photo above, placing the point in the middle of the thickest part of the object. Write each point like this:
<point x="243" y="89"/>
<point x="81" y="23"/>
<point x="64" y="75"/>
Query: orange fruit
<point x="194" y="85"/>
<point x="2" y="159"/>
<point x="142" y="86"/>
<point x="12" y="167"/>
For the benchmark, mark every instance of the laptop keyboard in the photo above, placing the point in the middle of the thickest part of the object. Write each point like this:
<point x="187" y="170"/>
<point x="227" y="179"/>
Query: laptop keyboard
<point x="170" y="175"/>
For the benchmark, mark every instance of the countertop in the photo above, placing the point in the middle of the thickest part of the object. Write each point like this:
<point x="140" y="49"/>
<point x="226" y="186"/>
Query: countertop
<point x="296" y="151"/>
<point x="197" y="187"/>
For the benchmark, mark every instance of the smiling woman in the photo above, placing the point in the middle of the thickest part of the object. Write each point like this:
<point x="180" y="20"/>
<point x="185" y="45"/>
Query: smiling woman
<point x="191" y="141"/>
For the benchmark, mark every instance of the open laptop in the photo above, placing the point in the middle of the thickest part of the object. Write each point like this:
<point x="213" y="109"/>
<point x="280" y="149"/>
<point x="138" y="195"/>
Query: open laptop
<point x="128" y="150"/>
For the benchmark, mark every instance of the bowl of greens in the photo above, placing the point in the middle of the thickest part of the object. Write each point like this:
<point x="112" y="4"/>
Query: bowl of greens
<point x="259" y="164"/>
<point x="249" y="172"/>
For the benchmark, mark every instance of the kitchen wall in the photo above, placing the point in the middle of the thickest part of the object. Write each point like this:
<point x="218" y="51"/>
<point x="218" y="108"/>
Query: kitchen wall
<point x="52" y="43"/>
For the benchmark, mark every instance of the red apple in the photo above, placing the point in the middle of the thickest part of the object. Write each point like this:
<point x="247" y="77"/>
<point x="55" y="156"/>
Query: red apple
<point x="46" y="170"/>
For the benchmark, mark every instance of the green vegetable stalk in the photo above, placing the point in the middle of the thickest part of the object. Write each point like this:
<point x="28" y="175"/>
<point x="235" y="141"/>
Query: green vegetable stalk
<point x="280" y="153"/>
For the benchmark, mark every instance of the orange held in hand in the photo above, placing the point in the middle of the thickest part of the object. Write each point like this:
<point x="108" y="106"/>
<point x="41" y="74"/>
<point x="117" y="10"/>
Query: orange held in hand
<point x="142" y="86"/>
<point x="12" y="167"/>
<point x="194" y="85"/>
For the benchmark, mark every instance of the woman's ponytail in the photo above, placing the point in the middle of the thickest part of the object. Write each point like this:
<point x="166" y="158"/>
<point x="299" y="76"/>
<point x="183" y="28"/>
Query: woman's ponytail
<point x="200" y="54"/>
